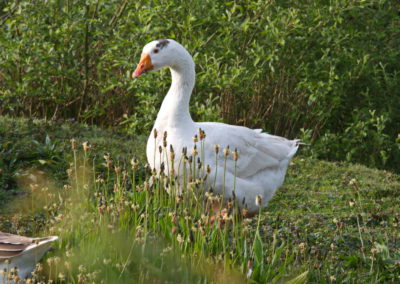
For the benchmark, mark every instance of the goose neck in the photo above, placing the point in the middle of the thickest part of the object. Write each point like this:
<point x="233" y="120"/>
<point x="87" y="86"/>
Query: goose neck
<point x="175" y="107"/>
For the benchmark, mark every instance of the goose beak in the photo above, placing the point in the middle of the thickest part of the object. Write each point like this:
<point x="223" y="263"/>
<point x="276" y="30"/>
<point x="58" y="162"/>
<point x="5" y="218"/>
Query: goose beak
<point x="143" y="66"/>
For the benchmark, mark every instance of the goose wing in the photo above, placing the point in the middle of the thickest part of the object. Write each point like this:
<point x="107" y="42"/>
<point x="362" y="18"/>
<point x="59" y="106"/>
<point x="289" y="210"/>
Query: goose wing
<point x="13" y="245"/>
<point x="257" y="150"/>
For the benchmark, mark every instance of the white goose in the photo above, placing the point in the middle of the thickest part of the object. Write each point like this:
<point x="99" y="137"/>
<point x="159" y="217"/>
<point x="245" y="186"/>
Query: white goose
<point x="22" y="253"/>
<point x="263" y="158"/>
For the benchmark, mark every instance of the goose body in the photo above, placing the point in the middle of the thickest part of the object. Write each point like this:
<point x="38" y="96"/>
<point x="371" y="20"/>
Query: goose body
<point x="22" y="253"/>
<point x="263" y="158"/>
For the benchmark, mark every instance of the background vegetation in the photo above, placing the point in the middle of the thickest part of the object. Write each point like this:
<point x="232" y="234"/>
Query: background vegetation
<point x="323" y="71"/>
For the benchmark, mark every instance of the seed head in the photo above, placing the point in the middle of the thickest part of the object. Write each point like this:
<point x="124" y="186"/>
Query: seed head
<point x="179" y="239"/>
<point x="178" y="199"/>
<point x="73" y="144"/>
<point x="202" y="134"/>
<point x="34" y="187"/>
<point x="117" y="170"/>
<point x="171" y="153"/>
<point x="134" y="163"/>
<point x="155" y="133"/>
<point x="194" y="152"/>
<point x="208" y="169"/>
<point x="258" y="200"/>
<point x="61" y="276"/>
<point x="165" y="135"/>
<point x="39" y="267"/>
<point x="160" y="149"/>
<point x="216" y="148"/>
<point x="235" y="155"/>
<point x="226" y="151"/>
<point x="195" y="139"/>
<point x="186" y="212"/>
<point x="86" y="146"/>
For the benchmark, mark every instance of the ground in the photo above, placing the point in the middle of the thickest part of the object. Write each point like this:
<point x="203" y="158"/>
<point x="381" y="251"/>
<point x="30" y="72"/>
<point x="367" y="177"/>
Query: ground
<point x="333" y="222"/>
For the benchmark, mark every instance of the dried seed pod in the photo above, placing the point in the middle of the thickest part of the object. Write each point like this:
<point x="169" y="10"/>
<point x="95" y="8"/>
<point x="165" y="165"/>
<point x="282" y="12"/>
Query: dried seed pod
<point x="73" y="144"/>
<point x="155" y="133"/>
<point x="194" y="152"/>
<point x="134" y="163"/>
<point x="202" y="134"/>
<point x="226" y="151"/>
<point x="258" y="200"/>
<point x="86" y="146"/>
<point x="235" y="155"/>
<point x="117" y="169"/>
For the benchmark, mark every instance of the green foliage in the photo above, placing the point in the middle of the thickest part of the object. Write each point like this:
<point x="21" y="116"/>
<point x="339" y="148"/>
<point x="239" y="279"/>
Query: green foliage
<point x="322" y="66"/>
<point x="364" y="140"/>
<point x="35" y="144"/>
<point x="24" y="147"/>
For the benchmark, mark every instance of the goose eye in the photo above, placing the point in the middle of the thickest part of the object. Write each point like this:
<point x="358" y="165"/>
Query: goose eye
<point x="155" y="50"/>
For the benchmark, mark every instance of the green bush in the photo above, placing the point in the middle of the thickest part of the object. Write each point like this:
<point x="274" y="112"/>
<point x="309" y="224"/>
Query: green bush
<point x="320" y="66"/>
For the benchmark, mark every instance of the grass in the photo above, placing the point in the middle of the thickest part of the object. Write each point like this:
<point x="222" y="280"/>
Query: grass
<point x="329" y="223"/>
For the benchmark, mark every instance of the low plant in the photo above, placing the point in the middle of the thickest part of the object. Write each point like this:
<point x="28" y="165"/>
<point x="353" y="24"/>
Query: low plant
<point x="120" y="221"/>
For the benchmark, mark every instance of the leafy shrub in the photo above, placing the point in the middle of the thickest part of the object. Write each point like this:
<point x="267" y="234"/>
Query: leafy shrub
<point x="280" y="65"/>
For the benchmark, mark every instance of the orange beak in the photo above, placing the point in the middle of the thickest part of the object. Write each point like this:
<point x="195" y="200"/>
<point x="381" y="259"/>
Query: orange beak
<point x="143" y="66"/>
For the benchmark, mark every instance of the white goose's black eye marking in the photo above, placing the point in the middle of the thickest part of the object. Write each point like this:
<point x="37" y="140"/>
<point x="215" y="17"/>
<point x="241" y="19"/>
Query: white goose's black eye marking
<point x="162" y="43"/>
<point x="155" y="50"/>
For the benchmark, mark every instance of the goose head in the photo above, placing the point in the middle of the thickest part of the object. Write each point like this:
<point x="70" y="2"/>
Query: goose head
<point x="162" y="53"/>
